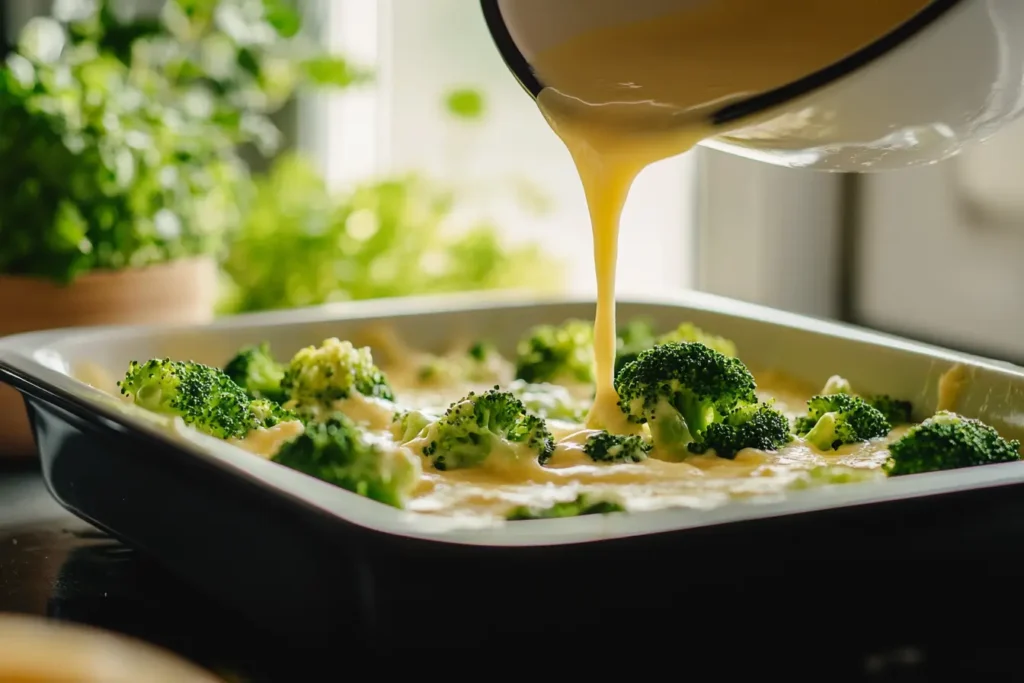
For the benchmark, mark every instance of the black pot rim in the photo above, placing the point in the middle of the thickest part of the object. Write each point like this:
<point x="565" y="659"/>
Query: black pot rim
<point x="523" y="72"/>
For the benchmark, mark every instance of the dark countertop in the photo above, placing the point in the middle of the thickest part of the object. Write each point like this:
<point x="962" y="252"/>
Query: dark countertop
<point x="53" y="564"/>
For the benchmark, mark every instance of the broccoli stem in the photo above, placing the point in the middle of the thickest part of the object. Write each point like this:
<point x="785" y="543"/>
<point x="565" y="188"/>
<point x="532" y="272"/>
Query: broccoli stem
<point x="669" y="428"/>
<point x="823" y="435"/>
<point x="696" y="413"/>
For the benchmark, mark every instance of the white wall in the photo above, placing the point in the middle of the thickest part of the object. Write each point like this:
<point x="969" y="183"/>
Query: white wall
<point x="439" y="44"/>
<point x="941" y="249"/>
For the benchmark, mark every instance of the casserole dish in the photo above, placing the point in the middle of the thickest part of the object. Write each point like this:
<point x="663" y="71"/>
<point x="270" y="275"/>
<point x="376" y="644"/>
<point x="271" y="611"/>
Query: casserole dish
<point x="312" y="562"/>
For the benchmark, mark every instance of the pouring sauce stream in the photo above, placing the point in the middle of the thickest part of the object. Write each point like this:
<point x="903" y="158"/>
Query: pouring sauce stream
<point x="626" y="96"/>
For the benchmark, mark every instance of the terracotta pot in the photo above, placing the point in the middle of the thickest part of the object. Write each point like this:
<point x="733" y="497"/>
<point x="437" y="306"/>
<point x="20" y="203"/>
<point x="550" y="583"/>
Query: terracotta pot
<point x="180" y="292"/>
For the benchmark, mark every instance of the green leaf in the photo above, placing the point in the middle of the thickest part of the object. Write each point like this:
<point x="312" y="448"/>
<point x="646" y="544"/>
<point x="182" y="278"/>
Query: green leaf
<point x="283" y="16"/>
<point x="465" y="103"/>
<point x="332" y="71"/>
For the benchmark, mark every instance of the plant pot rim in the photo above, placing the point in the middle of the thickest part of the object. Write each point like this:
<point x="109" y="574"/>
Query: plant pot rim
<point x="111" y="273"/>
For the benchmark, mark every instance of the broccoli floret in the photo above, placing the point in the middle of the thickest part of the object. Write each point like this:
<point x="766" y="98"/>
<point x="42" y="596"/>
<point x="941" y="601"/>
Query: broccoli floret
<point x="896" y="411"/>
<point x="468" y="432"/>
<point x="584" y="504"/>
<point x="335" y="451"/>
<point x="410" y="424"/>
<point x="481" y="362"/>
<point x="557" y="354"/>
<point x="321" y="375"/>
<point x="480" y="351"/>
<point x="268" y="413"/>
<point x="605" y="447"/>
<point x="839" y="419"/>
<point x="549" y="401"/>
<point x="948" y="441"/>
<point x="438" y="370"/>
<point x="255" y="370"/>
<point x="680" y="389"/>
<point x="639" y="336"/>
<point x="837" y="384"/>
<point x="202" y="396"/>
<point x="759" y="426"/>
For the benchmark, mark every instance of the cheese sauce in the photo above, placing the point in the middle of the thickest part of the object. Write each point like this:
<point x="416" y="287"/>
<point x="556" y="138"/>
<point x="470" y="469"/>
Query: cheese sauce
<point x="701" y="481"/>
<point x="625" y="96"/>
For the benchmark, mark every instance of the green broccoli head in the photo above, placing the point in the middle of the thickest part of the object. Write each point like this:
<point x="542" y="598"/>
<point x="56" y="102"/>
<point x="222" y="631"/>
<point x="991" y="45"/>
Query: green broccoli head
<point x="948" y="441"/>
<point x="559" y="354"/>
<point x="439" y="370"/>
<point x="268" y="413"/>
<point x="481" y="362"/>
<point x="837" y="384"/>
<point x="615" y="448"/>
<point x="473" y="429"/>
<point x="896" y="411"/>
<point x="639" y="336"/>
<point x="202" y="396"/>
<point x="759" y="426"/>
<point x="335" y="451"/>
<point x="550" y="401"/>
<point x="480" y="351"/>
<point x="680" y="388"/>
<point x="584" y="504"/>
<point x="335" y="370"/>
<point x="254" y="369"/>
<point x="410" y="424"/>
<point x="839" y="419"/>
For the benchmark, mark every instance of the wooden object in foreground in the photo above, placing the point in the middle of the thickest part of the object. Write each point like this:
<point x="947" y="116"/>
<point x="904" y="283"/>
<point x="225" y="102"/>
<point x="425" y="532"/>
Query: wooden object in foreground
<point x="41" y="651"/>
<point x="179" y="292"/>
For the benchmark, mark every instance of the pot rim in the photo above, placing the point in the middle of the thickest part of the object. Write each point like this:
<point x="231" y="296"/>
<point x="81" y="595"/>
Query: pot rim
<point x="99" y="274"/>
<point x="520" y="67"/>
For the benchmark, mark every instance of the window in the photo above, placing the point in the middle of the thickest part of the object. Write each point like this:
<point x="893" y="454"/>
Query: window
<point x="940" y="249"/>
<point x="705" y="220"/>
<point x="423" y="49"/>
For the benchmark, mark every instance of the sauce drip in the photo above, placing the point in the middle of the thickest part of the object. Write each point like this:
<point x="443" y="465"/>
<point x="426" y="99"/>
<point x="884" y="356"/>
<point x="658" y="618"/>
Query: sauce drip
<point x="625" y="96"/>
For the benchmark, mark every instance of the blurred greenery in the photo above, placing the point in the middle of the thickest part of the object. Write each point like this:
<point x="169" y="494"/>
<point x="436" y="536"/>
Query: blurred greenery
<point x="122" y="138"/>
<point x="303" y="245"/>
<point x="465" y="103"/>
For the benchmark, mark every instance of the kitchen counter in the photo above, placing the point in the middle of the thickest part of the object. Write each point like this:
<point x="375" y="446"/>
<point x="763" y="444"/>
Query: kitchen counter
<point x="55" y="565"/>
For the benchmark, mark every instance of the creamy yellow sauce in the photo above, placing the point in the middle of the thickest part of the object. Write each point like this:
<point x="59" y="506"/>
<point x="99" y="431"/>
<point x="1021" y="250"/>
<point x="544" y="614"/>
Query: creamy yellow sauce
<point x="507" y="480"/>
<point x="625" y="96"/>
<point x="511" y="475"/>
<point x="266" y="442"/>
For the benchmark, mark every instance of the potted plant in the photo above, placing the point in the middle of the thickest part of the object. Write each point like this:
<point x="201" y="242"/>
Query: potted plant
<point x="122" y="142"/>
<point x="125" y="197"/>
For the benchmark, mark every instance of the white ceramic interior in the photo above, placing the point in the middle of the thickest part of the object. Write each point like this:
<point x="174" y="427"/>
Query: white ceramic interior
<point x="805" y="348"/>
<point x="958" y="81"/>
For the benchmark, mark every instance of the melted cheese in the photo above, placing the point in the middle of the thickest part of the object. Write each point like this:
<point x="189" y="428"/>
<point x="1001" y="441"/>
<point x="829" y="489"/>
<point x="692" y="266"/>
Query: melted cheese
<point x="512" y="478"/>
<point x="625" y="96"/>
<point x="266" y="442"/>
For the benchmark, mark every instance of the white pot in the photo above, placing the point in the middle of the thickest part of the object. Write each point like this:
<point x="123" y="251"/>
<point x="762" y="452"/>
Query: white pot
<point x="951" y="76"/>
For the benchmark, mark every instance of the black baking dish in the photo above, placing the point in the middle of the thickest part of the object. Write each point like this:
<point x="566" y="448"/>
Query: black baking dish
<point x="321" y="566"/>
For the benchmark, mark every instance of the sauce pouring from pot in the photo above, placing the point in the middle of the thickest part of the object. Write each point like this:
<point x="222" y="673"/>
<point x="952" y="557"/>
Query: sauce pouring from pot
<point x="627" y="83"/>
